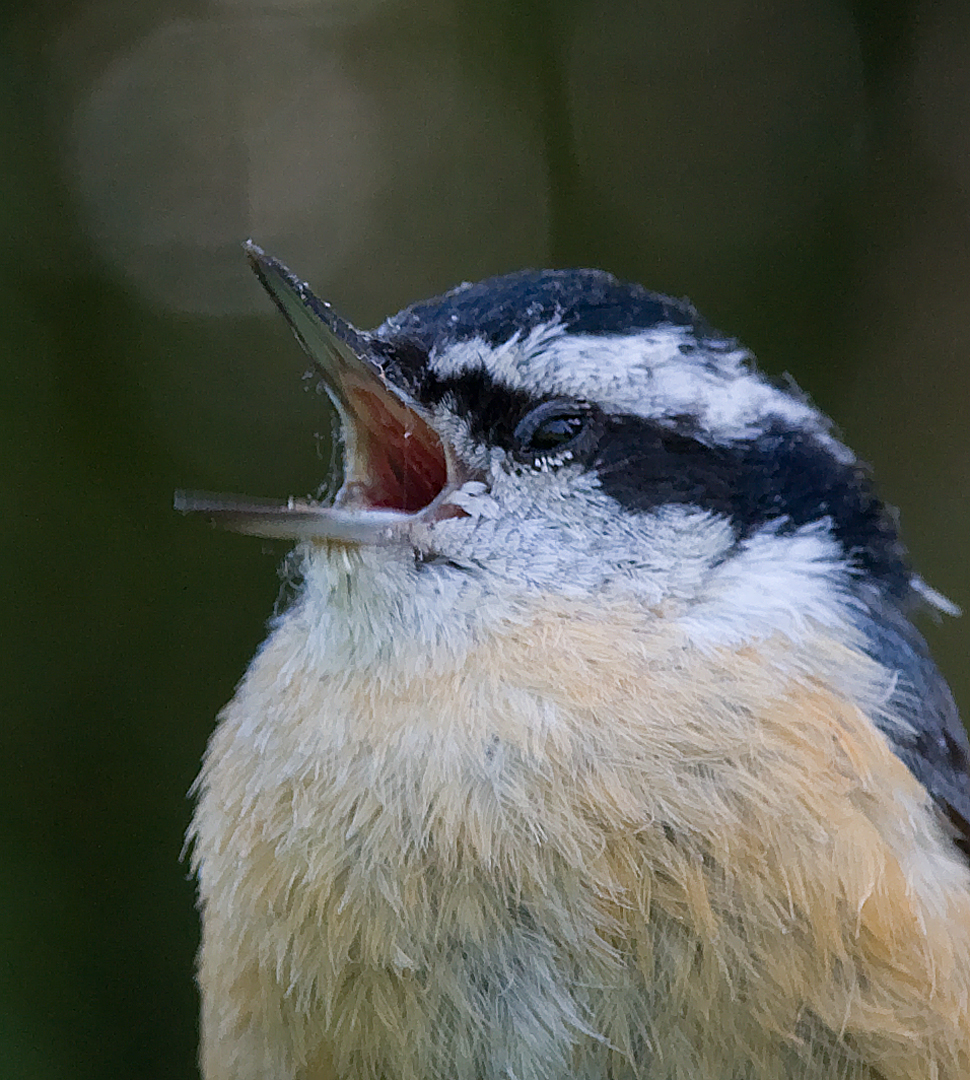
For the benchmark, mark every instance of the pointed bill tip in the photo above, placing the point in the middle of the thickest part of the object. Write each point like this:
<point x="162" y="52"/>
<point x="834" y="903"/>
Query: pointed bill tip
<point x="276" y="277"/>
<point x="325" y="337"/>
<point x="261" y="263"/>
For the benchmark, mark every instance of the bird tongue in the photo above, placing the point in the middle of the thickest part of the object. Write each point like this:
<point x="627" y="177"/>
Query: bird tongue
<point x="395" y="464"/>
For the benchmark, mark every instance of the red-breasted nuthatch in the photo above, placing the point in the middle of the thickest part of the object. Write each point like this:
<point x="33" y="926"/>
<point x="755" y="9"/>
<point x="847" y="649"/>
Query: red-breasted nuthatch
<point x="598" y="743"/>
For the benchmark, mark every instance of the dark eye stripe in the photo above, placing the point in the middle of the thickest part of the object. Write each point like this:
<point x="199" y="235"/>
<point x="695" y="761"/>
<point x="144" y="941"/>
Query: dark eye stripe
<point x="491" y="409"/>
<point x="779" y="475"/>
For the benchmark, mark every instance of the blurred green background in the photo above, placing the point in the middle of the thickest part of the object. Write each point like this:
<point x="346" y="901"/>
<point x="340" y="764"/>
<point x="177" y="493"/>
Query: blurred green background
<point x="801" y="169"/>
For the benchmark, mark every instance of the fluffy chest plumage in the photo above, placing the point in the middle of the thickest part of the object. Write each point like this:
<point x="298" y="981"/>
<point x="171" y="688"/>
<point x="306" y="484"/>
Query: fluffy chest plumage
<point x="583" y="851"/>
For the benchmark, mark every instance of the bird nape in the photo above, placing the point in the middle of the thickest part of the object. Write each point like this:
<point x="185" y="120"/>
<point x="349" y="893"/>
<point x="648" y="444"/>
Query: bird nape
<point x="598" y="742"/>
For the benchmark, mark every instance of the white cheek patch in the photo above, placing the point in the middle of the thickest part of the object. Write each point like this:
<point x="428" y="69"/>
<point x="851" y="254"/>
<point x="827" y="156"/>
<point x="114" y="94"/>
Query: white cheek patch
<point x="774" y="583"/>
<point x="558" y="533"/>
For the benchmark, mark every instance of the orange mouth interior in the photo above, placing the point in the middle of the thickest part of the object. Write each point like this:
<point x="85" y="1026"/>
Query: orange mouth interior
<point x="401" y="463"/>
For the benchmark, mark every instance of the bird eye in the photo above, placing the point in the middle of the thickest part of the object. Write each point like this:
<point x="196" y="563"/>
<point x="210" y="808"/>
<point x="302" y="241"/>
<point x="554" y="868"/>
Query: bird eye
<point x="551" y="427"/>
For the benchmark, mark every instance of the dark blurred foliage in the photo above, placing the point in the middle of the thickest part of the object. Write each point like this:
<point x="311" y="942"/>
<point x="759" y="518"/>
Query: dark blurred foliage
<point x="804" y="176"/>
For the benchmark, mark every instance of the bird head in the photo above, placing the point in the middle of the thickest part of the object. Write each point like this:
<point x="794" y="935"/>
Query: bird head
<point x="563" y="433"/>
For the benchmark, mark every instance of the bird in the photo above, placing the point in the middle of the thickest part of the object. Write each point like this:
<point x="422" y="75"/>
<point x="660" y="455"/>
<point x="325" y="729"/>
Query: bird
<point x="597" y="740"/>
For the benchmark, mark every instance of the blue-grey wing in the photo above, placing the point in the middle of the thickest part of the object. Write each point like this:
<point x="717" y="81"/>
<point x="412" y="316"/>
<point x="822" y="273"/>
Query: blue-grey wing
<point x="933" y="744"/>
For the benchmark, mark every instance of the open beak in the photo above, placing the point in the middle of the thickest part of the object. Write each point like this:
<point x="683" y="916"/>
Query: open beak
<point x="396" y="468"/>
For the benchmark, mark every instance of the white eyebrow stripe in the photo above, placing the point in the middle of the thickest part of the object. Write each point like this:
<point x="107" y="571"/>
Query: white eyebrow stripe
<point x="655" y="373"/>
